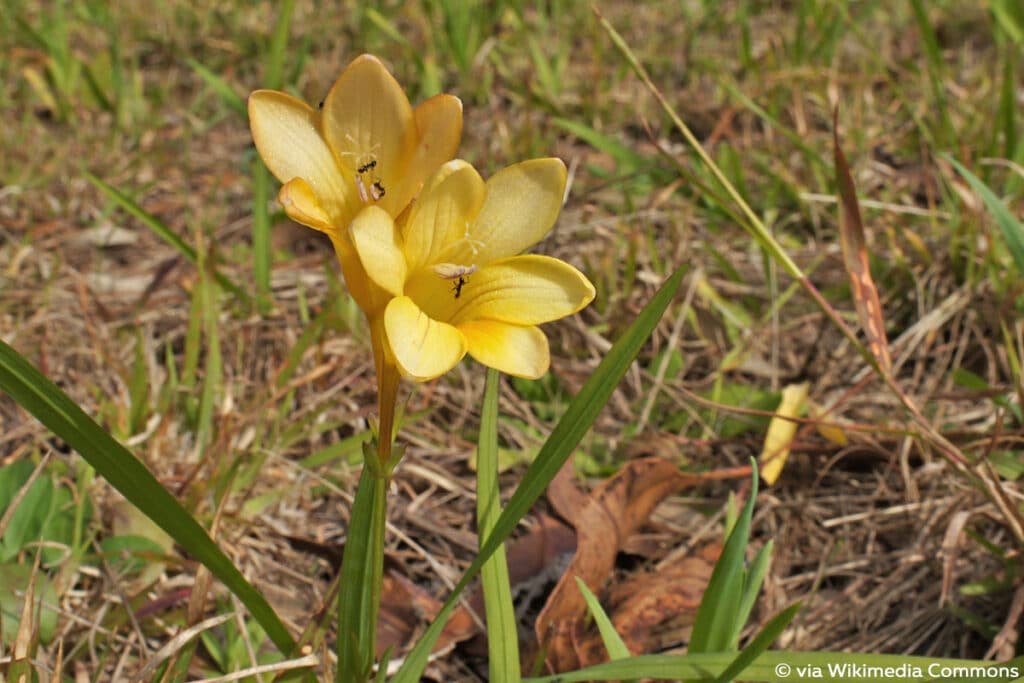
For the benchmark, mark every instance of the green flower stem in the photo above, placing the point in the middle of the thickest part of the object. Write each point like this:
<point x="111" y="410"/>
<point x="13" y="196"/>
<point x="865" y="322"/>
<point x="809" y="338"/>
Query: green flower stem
<point x="362" y="568"/>
<point x="362" y="571"/>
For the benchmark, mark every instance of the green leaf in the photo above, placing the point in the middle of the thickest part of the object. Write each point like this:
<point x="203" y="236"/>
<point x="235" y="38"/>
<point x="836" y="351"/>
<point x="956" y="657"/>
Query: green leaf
<point x="782" y="667"/>
<point x="502" y="632"/>
<point x="752" y="580"/>
<point x="15" y="580"/>
<point x="578" y="417"/>
<point x="362" y="571"/>
<point x="44" y="513"/>
<point x="716" y="624"/>
<point x="772" y="630"/>
<point x="51" y="406"/>
<point x="609" y="636"/>
<point x="1012" y="229"/>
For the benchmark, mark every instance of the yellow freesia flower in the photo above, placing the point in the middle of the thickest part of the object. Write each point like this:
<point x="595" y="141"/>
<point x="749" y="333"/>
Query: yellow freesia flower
<point x="452" y="268"/>
<point x="364" y="146"/>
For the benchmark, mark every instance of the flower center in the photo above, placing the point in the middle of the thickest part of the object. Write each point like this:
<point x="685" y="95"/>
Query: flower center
<point x="458" y="250"/>
<point x="367" y="177"/>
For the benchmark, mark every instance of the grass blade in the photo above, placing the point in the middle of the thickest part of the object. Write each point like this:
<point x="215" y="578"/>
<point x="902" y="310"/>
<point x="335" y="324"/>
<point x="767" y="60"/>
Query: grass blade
<point x="262" y="254"/>
<point x="162" y="231"/>
<point x="752" y="580"/>
<point x="227" y="94"/>
<point x="279" y="46"/>
<point x="55" y="409"/>
<point x="834" y="666"/>
<point x="609" y="636"/>
<point x="502" y="634"/>
<point x="772" y="630"/>
<point x="1012" y="229"/>
<point x="578" y="417"/>
<point x="262" y="250"/>
<point x="716" y="624"/>
<point x="933" y="57"/>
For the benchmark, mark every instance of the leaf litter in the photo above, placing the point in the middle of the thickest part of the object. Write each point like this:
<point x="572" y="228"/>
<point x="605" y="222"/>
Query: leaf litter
<point x="862" y="529"/>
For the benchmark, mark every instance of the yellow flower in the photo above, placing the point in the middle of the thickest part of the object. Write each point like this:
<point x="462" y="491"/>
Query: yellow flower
<point x="364" y="146"/>
<point x="458" y="287"/>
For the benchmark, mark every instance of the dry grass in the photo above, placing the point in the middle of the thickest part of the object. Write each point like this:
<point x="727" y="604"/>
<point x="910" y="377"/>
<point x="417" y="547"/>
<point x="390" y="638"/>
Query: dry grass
<point x="862" y="532"/>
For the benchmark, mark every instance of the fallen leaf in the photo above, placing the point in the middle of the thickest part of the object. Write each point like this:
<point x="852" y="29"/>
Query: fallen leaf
<point x="781" y="431"/>
<point x="405" y="606"/>
<point x="655" y="610"/>
<point x="832" y="432"/>
<point x="606" y="517"/>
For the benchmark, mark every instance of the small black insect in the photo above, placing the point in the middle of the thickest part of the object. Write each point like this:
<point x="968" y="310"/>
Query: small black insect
<point x="459" y="284"/>
<point x="372" y="163"/>
<point x="377" y="191"/>
<point x="456" y="273"/>
<point x="321" y="105"/>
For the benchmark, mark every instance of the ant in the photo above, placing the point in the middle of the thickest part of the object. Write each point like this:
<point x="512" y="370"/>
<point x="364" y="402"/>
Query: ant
<point x="450" y="271"/>
<point x="459" y="284"/>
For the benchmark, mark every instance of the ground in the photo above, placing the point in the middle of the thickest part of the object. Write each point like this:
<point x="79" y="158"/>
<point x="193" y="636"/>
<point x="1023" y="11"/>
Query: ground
<point x="253" y="417"/>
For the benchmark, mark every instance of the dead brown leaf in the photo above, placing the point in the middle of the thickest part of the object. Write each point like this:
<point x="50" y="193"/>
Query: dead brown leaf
<point x="855" y="257"/>
<point x="651" y="610"/>
<point x="603" y="522"/>
<point x="405" y="605"/>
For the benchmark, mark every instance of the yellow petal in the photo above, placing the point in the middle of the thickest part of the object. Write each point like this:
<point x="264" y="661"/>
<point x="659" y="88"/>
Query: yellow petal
<point x="439" y="129"/>
<point x="522" y="203"/>
<point x="827" y="425"/>
<point x="423" y="348"/>
<point x="439" y="221"/>
<point x="302" y="206"/>
<point x="367" y="117"/>
<point x="370" y="297"/>
<point x="377" y="242"/>
<point x="781" y="432"/>
<point x="523" y="290"/>
<point x="513" y="349"/>
<point x="287" y="136"/>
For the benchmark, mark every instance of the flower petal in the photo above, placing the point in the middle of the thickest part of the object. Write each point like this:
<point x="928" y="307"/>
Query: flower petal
<point x="513" y="349"/>
<point x="524" y="290"/>
<point x="370" y="298"/>
<point x="302" y="206"/>
<point x="378" y="244"/>
<point x="286" y="133"/>
<point x="439" y="220"/>
<point x="522" y="203"/>
<point x="367" y="117"/>
<point x="423" y="348"/>
<point x="439" y="129"/>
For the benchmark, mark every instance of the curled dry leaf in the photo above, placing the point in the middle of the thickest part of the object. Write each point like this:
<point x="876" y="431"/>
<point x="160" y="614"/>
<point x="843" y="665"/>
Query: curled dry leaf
<point x="855" y="257"/>
<point x="603" y="522"/>
<point x="654" y="610"/>
<point x="405" y="605"/>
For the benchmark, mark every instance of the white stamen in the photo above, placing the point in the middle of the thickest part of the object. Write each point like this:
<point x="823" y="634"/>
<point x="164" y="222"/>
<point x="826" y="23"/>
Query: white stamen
<point x="452" y="271"/>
